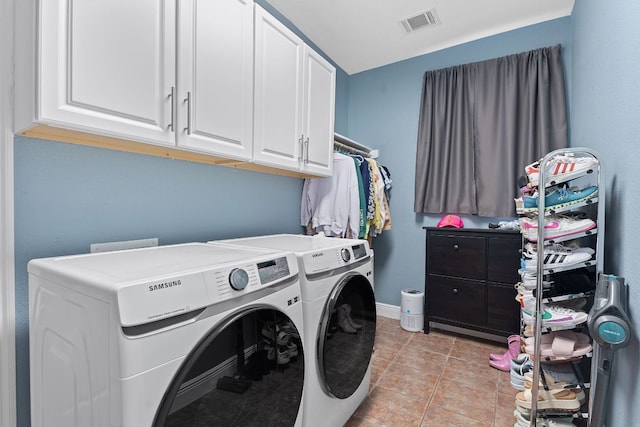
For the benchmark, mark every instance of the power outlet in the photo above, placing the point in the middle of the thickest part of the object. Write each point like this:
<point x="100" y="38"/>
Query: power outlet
<point x="127" y="244"/>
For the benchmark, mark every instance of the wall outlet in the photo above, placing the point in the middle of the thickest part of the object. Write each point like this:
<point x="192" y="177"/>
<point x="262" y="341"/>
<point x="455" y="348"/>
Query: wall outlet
<point x="127" y="244"/>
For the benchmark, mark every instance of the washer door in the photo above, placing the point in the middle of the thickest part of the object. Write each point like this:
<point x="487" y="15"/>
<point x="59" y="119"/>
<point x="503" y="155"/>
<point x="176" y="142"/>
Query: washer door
<point x="247" y="371"/>
<point x="346" y="336"/>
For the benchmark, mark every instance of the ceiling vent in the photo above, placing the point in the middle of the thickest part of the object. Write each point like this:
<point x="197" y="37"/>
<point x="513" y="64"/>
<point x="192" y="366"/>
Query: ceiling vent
<point x="425" y="19"/>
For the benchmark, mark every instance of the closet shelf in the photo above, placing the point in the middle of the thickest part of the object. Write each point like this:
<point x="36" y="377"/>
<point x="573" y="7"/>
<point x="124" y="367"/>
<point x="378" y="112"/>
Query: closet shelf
<point x="352" y="146"/>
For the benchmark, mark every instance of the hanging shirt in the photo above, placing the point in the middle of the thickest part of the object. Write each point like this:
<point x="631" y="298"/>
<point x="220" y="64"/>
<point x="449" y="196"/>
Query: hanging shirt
<point x="332" y="204"/>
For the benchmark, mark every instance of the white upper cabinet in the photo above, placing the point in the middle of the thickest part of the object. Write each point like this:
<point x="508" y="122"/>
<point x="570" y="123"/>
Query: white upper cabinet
<point x="318" y="116"/>
<point x="215" y="77"/>
<point x="112" y="68"/>
<point x="215" y="81"/>
<point x="294" y="101"/>
<point x="102" y="66"/>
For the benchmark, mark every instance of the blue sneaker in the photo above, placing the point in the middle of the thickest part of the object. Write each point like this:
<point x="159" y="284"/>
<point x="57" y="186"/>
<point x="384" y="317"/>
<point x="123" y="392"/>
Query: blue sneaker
<point x="562" y="197"/>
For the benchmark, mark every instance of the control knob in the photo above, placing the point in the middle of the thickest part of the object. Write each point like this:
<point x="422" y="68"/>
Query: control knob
<point x="345" y="254"/>
<point x="238" y="279"/>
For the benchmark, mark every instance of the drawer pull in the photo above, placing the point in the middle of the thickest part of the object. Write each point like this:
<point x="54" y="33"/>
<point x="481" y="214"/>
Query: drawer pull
<point x="455" y="291"/>
<point x="456" y="247"/>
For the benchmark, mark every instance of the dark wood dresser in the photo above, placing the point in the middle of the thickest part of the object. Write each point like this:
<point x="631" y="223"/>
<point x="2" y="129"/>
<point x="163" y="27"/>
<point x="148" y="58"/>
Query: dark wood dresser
<point x="470" y="278"/>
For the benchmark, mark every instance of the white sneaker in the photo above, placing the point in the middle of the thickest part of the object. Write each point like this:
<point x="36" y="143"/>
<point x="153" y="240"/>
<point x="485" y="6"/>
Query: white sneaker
<point x="553" y="316"/>
<point x="557" y="259"/>
<point x="561" y="168"/>
<point x="531" y="249"/>
<point x="555" y="227"/>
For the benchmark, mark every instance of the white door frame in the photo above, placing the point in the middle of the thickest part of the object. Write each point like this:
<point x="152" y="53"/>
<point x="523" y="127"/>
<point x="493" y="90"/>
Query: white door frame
<point x="7" y="263"/>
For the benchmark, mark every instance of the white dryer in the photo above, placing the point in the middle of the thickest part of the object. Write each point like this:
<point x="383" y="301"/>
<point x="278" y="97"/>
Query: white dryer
<point x="336" y="275"/>
<point x="179" y="335"/>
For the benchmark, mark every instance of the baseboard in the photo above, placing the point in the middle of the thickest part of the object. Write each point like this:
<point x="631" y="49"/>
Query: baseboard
<point x="388" y="310"/>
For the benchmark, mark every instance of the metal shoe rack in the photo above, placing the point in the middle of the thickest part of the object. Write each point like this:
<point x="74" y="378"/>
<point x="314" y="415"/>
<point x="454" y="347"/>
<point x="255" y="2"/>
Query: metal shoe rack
<point x="594" y="209"/>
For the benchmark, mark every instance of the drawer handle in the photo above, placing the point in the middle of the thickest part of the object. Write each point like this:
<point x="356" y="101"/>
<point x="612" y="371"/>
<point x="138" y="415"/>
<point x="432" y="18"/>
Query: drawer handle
<point x="456" y="247"/>
<point x="455" y="291"/>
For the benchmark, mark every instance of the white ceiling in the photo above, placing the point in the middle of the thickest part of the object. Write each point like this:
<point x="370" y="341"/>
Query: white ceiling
<point x="363" y="34"/>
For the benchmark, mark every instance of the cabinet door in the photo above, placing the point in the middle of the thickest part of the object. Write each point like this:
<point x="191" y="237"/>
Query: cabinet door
<point x="503" y="313"/>
<point x="215" y="71"/>
<point x="107" y="67"/>
<point x="278" y="94"/>
<point x="319" y="107"/>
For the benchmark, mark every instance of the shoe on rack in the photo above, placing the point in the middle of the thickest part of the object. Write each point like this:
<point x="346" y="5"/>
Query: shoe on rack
<point x="561" y="197"/>
<point x="554" y="259"/>
<point x="552" y="384"/>
<point x="292" y="350"/>
<point x="524" y="420"/>
<point x="288" y="327"/>
<point x="555" y="227"/>
<point x="560" y="168"/>
<point x="570" y="282"/>
<point x="529" y="279"/>
<point x="531" y="249"/>
<point x="280" y="352"/>
<point x="519" y="367"/>
<point x="553" y="316"/>
<point x="275" y="334"/>
<point x="558" y="399"/>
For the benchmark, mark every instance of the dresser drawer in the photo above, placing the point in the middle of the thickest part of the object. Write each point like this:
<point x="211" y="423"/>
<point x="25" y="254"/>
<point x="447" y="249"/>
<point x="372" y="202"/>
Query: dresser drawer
<point x="456" y="300"/>
<point x="456" y="255"/>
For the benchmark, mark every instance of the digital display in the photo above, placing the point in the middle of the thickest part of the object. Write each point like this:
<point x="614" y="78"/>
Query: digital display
<point x="273" y="270"/>
<point x="359" y="251"/>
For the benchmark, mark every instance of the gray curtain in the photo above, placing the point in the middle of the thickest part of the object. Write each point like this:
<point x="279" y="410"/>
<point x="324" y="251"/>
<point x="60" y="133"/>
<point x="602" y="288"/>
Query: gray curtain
<point x="481" y="124"/>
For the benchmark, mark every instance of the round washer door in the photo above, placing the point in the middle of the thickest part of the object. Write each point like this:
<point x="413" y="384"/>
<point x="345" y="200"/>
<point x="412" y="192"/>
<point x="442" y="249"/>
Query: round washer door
<point x="247" y="371"/>
<point x="346" y="336"/>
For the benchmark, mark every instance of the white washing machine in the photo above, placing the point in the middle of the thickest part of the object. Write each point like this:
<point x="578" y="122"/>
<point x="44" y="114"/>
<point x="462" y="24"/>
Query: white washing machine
<point x="179" y="335"/>
<point x="334" y="274"/>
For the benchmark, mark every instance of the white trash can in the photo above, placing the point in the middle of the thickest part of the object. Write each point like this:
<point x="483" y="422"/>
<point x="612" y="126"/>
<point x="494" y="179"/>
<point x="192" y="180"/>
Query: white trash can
<point x="412" y="310"/>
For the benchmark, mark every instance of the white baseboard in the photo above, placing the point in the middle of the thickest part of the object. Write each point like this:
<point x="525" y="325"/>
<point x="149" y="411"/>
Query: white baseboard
<point x="388" y="310"/>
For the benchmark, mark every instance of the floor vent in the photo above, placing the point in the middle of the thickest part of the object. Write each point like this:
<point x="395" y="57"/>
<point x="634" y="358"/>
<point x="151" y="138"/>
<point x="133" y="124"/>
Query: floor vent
<point x="425" y="19"/>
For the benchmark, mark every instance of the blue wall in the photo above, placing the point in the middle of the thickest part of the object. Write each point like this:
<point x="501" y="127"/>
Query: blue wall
<point x="606" y="117"/>
<point x="383" y="107"/>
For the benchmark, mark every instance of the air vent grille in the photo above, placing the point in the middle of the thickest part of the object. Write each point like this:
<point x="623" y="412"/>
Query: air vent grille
<point x="425" y="19"/>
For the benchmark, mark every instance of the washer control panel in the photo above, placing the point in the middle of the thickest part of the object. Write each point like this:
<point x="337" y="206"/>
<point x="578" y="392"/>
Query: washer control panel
<point x="332" y="258"/>
<point x="174" y="295"/>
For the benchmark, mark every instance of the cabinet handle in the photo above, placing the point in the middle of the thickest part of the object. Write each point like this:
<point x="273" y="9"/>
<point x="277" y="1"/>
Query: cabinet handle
<point x="456" y="247"/>
<point x="301" y="156"/>
<point x="172" y="97"/>
<point x="455" y="291"/>
<point x="306" y="145"/>
<point x="188" y="101"/>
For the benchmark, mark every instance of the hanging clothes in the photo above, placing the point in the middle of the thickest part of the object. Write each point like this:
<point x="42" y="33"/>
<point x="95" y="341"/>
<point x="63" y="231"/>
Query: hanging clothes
<point x="332" y="204"/>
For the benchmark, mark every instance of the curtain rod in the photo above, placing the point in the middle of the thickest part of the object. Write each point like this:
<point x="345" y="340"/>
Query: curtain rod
<point x="347" y="143"/>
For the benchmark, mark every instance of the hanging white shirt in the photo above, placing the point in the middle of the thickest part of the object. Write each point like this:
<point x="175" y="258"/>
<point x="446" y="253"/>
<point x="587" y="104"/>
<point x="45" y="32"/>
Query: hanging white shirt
<point x="332" y="204"/>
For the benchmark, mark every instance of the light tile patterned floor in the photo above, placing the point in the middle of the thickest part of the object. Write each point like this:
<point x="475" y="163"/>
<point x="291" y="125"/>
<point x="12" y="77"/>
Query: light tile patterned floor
<point x="434" y="380"/>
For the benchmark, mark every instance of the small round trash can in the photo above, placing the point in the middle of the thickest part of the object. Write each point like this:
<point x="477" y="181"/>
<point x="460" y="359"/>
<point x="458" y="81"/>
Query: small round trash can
<point x="412" y="310"/>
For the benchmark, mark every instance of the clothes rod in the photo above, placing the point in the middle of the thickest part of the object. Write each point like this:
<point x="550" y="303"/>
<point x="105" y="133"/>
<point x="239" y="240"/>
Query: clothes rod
<point x="350" y="143"/>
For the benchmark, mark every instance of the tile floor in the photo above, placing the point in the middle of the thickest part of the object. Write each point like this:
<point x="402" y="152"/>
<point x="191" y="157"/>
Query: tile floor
<point x="435" y="380"/>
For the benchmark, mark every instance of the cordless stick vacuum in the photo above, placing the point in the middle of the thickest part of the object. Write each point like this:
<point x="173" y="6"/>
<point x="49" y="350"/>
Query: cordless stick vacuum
<point x="610" y="328"/>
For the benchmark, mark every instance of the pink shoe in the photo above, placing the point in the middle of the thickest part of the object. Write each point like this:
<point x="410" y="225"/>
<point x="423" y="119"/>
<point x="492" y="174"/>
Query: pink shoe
<point x="512" y="352"/>
<point x="503" y="365"/>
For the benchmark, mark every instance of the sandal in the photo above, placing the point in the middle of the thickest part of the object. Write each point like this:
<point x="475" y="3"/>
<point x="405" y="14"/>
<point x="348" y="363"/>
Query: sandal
<point x="552" y="384"/>
<point x="560" y="345"/>
<point x="558" y="399"/>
